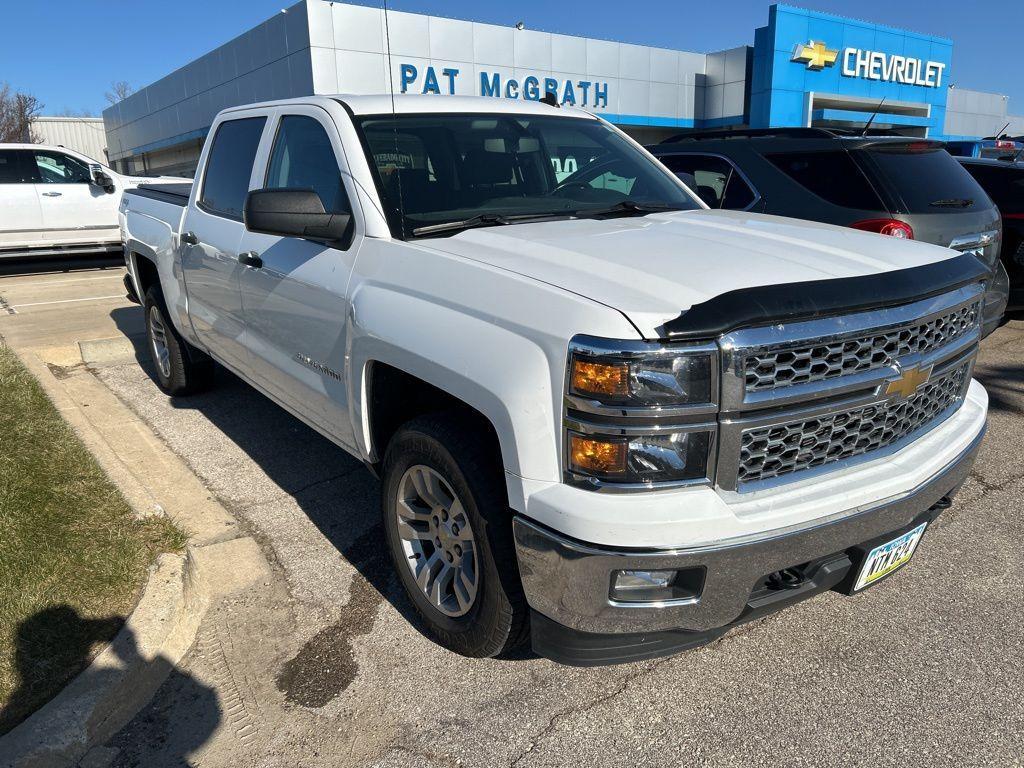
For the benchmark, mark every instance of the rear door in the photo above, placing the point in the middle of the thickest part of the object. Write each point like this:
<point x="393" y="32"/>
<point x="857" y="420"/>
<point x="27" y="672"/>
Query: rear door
<point x="296" y="305"/>
<point x="212" y="231"/>
<point x="22" y="220"/>
<point x="74" y="210"/>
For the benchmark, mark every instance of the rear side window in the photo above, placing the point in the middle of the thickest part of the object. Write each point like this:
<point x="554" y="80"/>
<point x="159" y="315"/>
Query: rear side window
<point x="926" y="179"/>
<point x="1004" y="185"/>
<point x="226" y="182"/>
<point x="832" y="175"/>
<point x="304" y="159"/>
<point x="718" y="182"/>
<point x="15" y="167"/>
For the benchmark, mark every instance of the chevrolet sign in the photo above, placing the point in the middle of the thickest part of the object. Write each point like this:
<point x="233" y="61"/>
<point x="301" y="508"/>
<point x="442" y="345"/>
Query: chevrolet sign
<point x="892" y="68"/>
<point x="871" y="65"/>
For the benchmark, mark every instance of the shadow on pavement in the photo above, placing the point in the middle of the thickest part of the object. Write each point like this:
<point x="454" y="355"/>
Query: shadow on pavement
<point x="60" y="635"/>
<point x="340" y="497"/>
<point x="1004" y="384"/>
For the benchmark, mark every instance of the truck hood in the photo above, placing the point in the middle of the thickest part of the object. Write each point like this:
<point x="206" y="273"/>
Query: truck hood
<point x="654" y="267"/>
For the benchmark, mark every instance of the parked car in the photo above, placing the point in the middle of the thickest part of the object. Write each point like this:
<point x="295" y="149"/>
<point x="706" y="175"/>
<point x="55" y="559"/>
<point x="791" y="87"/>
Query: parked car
<point x="899" y="186"/>
<point x="58" y="202"/>
<point x="604" y="417"/>
<point x="1004" y="183"/>
<point x="992" y="147"/>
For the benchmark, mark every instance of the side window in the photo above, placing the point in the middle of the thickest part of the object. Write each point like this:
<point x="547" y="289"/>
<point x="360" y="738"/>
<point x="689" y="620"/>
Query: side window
<point x="832" y="175"/>
<point x="58" y="168"/>
<point x="303" y="158"/>
<point x="718" y="183"/>
<point x="229" y="166"/>
<point x="16" y="167"/>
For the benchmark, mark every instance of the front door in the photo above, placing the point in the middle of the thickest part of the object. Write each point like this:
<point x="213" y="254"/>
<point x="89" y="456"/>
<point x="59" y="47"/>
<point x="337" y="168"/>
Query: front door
<point x="74" y="210"/>
<point x="21" y="220"/>
<point x="210" y="240"/>
<point x="295" y="303"/>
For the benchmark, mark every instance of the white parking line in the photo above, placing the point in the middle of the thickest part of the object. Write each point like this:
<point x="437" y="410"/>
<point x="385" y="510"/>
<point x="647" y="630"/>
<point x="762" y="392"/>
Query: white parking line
<point x="66" y="301"/>
<point x="62" y="282"/>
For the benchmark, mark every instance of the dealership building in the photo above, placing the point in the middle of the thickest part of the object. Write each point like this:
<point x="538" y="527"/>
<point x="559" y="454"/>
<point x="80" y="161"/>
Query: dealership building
<point x="804" y="68"/>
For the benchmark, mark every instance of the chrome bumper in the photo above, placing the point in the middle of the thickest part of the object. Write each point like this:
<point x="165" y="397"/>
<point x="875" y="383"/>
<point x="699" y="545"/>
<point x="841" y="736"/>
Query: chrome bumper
<point x="569" y="582"/>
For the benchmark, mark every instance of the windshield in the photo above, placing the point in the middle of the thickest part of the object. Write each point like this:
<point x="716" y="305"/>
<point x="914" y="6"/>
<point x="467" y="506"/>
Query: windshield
<point x="435" y="169"/>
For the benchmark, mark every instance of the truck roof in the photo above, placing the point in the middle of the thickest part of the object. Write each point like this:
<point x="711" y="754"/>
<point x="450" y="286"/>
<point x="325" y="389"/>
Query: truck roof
<point x="407" y="103"/>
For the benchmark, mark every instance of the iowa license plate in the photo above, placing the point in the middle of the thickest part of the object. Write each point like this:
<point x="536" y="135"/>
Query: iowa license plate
<point x="888" y="557"/>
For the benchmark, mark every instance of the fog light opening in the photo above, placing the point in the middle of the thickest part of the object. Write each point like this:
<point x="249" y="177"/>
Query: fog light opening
<point x="634" y="586"/>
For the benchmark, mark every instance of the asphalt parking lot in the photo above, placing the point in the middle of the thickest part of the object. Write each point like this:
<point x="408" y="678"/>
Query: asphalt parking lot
<point x="326" y="665"/>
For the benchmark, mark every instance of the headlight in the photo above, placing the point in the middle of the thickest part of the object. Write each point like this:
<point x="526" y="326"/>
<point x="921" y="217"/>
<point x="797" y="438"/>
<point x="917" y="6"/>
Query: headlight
<point x="652" y="377"/>
<point x="639" y="415"/>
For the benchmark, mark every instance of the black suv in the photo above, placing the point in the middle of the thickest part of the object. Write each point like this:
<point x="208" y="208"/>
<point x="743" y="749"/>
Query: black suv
<point x="892" y="185"/>
<point x="1004" y="183"/>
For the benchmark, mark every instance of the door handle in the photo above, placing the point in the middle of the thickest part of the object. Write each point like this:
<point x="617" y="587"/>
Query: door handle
<point x="189" y="238"/>
<point x="250" y="259"/>
<point x="51" y="194"/>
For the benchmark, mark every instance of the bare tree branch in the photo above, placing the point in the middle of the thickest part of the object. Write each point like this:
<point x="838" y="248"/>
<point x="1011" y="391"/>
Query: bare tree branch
<point x="17" y="112"/>
<point x="119" y="91"/>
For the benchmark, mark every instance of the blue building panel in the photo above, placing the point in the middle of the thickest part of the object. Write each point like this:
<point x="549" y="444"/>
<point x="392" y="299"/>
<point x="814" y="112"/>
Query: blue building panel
<point x="802" y="52"/>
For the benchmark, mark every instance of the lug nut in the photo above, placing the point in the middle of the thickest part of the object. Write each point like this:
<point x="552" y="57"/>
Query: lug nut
<point x="437" y="542"/>
<point x="444" y="515"/>
<point x="455" y="530"/>
<point x="450" y="558"/>
<point x="458" y="550"/>
<point x="436" y="521"/>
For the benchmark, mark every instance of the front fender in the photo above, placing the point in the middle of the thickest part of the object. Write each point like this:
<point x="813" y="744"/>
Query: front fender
<point x="505" y="376"/>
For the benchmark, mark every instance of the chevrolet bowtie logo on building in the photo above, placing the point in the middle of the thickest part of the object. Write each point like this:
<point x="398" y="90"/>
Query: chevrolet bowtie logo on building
<point x="815" y="55"/>
<point x="909" y="381"/>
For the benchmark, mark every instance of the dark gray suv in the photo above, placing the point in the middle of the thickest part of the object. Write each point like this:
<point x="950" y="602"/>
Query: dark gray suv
<point x="892" y="185"/>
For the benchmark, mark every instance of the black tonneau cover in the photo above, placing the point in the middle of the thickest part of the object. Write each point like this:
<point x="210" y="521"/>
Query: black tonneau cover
<point x="174" y="193"/>
<point x="768" y="304"/>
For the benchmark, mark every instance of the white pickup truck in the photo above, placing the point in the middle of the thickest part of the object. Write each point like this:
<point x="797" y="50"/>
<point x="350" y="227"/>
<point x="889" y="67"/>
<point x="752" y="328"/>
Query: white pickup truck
<point x="57" y="202"/>
<point x="604" y="417"/>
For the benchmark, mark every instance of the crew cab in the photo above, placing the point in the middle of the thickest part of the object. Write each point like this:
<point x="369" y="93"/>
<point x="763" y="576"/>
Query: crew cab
<point x="605" y="418"/>
<point x="58" y="202"/>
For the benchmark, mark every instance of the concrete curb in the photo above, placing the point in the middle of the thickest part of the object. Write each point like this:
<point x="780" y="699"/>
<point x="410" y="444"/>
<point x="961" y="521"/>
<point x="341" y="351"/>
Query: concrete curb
<point x="219" y="561"/>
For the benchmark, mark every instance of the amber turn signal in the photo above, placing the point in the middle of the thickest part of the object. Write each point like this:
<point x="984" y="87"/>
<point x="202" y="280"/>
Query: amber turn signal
<point x="600" y="378"/>
<point x="596" y="456"/>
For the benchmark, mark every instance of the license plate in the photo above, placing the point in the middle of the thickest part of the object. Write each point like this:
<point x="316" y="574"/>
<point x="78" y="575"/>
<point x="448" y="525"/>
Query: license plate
<point x="888" y="557"/>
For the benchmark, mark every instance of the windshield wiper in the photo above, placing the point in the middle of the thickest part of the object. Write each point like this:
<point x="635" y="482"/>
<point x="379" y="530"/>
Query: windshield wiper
<point x="627" y="208"/>
<point x="488" y="220"/>
<point x="952" y="202"/>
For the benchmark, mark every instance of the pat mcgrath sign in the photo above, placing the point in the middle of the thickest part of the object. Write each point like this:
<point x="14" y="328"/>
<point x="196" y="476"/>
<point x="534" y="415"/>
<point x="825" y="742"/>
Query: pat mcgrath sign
<point x="871" y="65"/>
<point x="442" y="80"/>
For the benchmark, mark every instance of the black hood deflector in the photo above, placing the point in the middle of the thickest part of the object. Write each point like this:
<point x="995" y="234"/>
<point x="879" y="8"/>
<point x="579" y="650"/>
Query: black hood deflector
<point x="789" y="302"/>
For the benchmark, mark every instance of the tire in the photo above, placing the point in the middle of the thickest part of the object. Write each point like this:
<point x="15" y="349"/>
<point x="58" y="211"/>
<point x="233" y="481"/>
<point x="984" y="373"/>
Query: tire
<point x="451" y="446"/>
<point x="180" y="368"/>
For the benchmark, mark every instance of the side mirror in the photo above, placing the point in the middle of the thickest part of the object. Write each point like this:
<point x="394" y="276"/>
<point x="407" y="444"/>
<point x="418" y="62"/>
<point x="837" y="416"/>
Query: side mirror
<point x="100" y="178"/>
<point x="293" y="213"/>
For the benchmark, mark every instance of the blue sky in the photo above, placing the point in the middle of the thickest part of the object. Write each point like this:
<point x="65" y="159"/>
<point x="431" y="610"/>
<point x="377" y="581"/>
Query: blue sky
<point x="68" y="53"/>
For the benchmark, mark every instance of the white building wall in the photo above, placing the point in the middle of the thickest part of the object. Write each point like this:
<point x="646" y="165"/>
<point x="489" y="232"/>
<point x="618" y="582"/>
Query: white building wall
<point x="977" y="113"/>
<point x="82" y="134"/>
<point x="645" y="86"/>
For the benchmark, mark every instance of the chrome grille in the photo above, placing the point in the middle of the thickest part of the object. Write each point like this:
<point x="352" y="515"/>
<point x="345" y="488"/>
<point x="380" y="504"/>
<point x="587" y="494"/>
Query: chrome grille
<point x="779" y="449"/>
<point x="784" y="366"/>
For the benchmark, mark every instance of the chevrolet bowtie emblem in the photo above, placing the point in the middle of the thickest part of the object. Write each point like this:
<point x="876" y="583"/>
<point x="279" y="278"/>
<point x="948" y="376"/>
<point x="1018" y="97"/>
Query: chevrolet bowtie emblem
<point x="909" y="381"/>
<point x="815" y="55"/>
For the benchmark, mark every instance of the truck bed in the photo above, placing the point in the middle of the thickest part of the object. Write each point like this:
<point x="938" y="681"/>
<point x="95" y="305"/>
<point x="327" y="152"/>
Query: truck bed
<point x="174" y="193"/>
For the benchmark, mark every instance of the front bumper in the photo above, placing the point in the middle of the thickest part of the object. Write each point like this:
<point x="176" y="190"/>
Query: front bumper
<point x="568" y="583"/>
